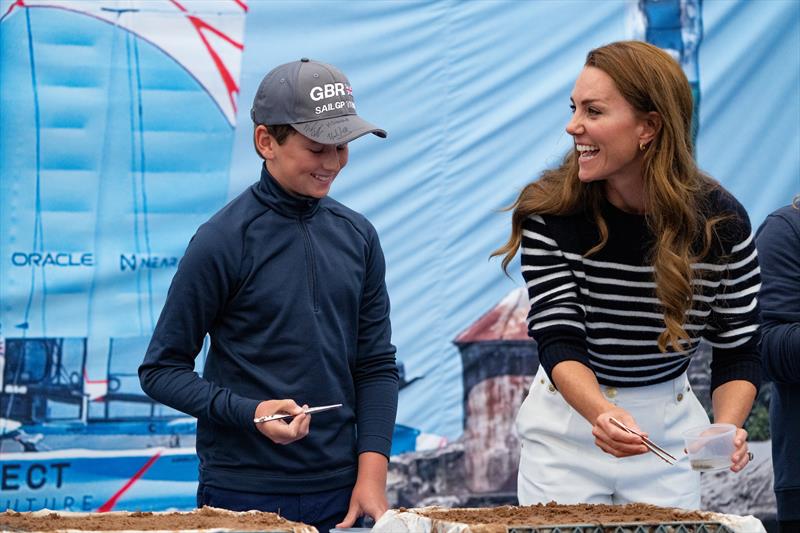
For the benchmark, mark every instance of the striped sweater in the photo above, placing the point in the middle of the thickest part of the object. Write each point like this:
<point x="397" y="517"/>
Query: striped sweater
<point x="602" y="310"/>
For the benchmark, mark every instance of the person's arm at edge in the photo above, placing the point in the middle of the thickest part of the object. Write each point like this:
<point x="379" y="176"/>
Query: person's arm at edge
<point x="778" y="243"/>
<point x="780" y="343"/>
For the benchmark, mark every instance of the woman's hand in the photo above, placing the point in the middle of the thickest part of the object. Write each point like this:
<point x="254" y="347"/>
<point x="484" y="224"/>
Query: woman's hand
<point x="281" y="431"/>
<point x="614" y="440"/>
<point x="732" y="402"/>
<point x="741" y="456"/>
<point x="578" y="384"/>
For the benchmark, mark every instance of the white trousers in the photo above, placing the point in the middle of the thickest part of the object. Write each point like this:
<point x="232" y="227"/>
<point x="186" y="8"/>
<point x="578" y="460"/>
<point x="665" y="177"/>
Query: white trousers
<point x="560" y="462"/>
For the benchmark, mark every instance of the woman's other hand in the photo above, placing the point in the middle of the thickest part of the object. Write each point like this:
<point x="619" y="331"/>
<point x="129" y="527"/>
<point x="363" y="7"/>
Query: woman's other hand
<point x="741" y="455"/>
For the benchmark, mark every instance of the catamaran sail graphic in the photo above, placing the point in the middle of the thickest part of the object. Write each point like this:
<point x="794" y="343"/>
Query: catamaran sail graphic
<point x="205" y="37"/>
<point x="117" y="119"/>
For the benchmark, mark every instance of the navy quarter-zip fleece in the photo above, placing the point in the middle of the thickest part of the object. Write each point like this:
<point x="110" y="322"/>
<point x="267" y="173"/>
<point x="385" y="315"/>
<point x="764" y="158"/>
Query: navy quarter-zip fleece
<point x="292" y="294"/>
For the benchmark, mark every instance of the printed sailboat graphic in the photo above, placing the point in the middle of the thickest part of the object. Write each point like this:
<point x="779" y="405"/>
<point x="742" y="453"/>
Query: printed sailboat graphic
<point x="123" y="115"/>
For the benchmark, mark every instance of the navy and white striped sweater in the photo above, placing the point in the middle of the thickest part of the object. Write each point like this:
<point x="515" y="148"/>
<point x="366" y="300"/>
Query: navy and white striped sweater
<point x="602" y="310"/>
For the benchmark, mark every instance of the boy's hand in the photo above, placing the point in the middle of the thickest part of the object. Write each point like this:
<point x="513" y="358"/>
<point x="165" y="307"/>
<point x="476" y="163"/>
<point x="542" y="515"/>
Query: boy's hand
<point x="281" y="431"/>
<point x="369" y="494"/>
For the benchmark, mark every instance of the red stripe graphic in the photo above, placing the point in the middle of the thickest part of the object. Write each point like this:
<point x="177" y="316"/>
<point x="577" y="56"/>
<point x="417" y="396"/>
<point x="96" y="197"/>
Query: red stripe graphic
<point x="113" y="500"/>
<point x="200" y="26"/>
<point x="92" y="381"/>
<point x="21" y="3"/>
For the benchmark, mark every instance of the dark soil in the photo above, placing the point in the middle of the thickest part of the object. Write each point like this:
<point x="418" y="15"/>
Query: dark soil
<point x="205" y="518"/>
<point x="498" y="519"/>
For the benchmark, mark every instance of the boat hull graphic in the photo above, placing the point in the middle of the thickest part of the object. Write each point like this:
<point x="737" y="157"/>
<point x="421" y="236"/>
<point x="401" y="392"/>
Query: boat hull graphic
<point x="95" y="480"/>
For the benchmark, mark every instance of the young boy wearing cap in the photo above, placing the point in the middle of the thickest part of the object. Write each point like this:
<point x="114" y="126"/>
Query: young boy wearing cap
<point x="289" y="285"/>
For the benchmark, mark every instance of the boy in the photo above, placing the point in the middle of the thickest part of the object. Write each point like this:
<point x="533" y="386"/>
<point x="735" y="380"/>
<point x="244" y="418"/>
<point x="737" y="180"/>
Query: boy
<point x="289" y="284"/>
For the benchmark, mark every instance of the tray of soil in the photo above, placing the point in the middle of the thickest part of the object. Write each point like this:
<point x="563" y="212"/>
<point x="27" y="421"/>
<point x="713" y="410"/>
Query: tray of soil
<point x="556" y="518"/>
<point x="205" y="520"/>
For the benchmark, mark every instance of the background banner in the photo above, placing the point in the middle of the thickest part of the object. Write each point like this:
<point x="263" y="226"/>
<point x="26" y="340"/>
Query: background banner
<point x="125" y="124"/>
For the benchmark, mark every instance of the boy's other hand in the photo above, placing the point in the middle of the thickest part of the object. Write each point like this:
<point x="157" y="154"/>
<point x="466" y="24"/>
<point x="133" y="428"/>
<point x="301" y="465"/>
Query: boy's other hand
<point x="282" y="431"/>
<point x="369" y="493"/>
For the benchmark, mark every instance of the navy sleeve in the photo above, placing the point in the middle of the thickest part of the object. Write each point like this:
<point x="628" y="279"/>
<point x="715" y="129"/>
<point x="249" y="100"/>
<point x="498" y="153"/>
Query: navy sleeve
<point x="375" y="375"/>
<point x="205" y="278"/>
<point x="778" y="242"/>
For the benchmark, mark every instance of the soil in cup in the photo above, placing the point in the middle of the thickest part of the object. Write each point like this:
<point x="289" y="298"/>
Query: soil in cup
<point x="716" y="463"/>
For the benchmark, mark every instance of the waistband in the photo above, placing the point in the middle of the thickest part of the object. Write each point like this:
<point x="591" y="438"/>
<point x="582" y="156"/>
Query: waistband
<point x="665" y="389"/>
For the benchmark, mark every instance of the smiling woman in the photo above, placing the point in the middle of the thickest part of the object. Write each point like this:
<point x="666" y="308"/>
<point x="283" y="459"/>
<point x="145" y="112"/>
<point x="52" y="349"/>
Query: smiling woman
<point x="608" y="134"/>
<point x="631" y="256"/>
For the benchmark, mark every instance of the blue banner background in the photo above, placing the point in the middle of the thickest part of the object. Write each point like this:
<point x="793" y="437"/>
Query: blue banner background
<point x="475" y="97"/>
<point x="110" y="146"/>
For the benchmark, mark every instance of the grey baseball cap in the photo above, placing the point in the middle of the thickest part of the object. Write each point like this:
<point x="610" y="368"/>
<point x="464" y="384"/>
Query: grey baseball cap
<point x="316" y="99"/>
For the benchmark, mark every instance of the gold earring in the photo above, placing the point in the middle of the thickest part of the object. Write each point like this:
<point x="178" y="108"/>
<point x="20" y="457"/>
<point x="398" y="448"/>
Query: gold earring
<point x="642" y="147"/>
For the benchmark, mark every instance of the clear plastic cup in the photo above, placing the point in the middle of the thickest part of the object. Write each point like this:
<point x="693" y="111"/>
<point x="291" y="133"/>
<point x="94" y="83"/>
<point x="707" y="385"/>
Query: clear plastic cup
<point x="710" y="447"/>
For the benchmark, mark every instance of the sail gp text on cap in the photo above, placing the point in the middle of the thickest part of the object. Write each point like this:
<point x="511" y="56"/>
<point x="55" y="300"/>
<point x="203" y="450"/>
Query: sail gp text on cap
<point x="315" y="98"/>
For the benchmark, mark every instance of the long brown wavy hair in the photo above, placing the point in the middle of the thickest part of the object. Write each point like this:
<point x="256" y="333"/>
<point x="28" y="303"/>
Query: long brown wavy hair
<point x="674" y="189"/>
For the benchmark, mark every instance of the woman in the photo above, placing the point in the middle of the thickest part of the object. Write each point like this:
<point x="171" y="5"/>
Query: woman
<point x="631" y="255"/>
